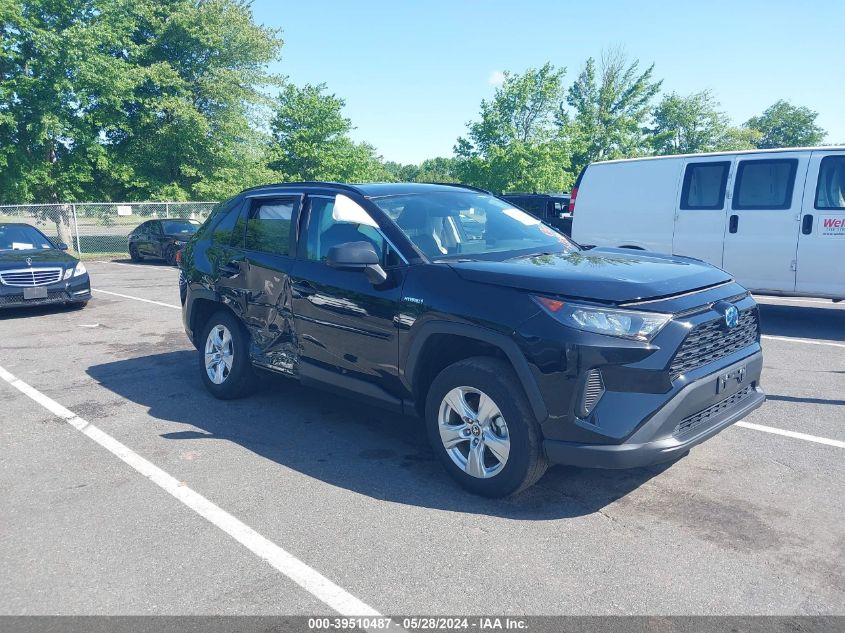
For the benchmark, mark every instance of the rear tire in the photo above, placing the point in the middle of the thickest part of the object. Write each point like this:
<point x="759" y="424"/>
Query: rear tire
<point x="499" y="423"/>
<point x="170" y="255"/>
<point x="224" y="360"/>
<point x="134" y="255"/>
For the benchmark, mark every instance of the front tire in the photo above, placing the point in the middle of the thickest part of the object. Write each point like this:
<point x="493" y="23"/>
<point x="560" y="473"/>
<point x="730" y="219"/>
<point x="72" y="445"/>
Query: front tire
<point x="224" y="361"/>
<point x="482" y="428"/>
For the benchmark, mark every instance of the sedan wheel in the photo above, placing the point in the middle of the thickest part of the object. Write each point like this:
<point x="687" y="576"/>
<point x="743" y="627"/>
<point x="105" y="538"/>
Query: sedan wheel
<point x="474" y="432"/>
<point x="219" y="354"/>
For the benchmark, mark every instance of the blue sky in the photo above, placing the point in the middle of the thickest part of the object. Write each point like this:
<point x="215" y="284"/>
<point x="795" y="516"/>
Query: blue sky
<point x="413" y="73"/>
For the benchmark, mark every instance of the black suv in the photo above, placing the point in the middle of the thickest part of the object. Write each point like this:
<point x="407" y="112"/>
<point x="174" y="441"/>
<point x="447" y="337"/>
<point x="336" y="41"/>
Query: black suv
<point x="517" y="347"/>
<point x="551" y="208"/>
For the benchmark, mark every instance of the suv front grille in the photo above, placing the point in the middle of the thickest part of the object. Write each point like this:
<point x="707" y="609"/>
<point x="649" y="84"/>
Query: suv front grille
<point x="27" y="278"/>
<point x="710" y="341"/>
<point x="698" y="420"/>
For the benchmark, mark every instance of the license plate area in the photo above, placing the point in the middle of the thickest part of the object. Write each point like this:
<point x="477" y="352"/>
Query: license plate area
<point x="34" y="293"/>
<point x="732" y="381"/>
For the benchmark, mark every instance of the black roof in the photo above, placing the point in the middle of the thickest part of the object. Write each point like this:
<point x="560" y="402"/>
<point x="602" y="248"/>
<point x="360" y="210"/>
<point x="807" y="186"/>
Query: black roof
<point x="373" y="189"/>
<point x="523" y="194"/>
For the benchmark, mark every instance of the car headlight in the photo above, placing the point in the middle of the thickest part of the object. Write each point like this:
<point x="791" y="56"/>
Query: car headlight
<point x="75" y="272"/>
<point x="630" y="324"/>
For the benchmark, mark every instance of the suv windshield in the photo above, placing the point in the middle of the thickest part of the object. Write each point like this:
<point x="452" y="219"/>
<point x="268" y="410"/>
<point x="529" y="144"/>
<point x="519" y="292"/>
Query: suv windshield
<point x="461" y="224"/>
<point x="174" y="227"/>
<point x="16" y="237"/>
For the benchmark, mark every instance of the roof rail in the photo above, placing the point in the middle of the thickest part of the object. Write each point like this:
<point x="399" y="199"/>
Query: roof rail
<point x="458" y="184"/>
<point x="307" y="183"/>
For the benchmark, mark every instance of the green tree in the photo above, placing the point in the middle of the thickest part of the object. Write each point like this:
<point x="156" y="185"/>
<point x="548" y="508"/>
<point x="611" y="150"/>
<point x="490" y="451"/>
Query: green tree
<point x="611" y="105"/>
<point x="58" y="90"/>
<point x="201" y="67"/>
<point x="786" y="125"/>
<point x="128" y="98"/>
<point x="438" y="169"/>
<point x="310" y="139"/>
<point x="515" y="144"/>
<point x="685" y="125"/>
<point x="521" y="166"/>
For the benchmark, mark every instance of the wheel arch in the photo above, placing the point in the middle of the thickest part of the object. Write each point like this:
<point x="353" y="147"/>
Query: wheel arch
<point x="440" y="343"/>
<point x="200" y="309"/>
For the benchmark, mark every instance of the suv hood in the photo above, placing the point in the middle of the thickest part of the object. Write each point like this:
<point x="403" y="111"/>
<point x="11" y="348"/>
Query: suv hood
<point x="41" y="257"/>
<point x="606" y="275"/>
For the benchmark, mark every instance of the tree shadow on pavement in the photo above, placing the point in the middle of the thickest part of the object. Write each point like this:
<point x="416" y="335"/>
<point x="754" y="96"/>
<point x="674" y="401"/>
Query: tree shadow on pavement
<point x="343" y="442"/>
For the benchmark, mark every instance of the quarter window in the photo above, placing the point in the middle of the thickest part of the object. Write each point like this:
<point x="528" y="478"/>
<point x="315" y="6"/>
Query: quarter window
<point x="224" y="233"/>
<point x="268" y="226"/>
<point x="765" y="184"/>
<point x="830" y="190"/>
<point x="704" y="185"/>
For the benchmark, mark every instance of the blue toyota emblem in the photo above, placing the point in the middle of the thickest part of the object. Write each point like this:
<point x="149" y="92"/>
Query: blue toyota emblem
<point x="731" y="317"/>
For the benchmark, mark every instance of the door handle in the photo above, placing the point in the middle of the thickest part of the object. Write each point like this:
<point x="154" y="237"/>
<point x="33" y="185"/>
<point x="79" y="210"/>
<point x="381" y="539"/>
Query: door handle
<point x="733" y="225"/>
<point x="807" y="225"/>
<point x="304" y="288"/>
<point x="230" y="269"/>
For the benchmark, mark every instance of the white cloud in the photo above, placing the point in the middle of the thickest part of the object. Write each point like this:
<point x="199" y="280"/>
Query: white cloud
<point x="496" y="78"/>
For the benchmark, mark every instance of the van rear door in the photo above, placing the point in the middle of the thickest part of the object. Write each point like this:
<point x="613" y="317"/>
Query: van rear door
<point x="700" y="214"/>
<point x="821" y="244"/>
<point x="764" y="220"/>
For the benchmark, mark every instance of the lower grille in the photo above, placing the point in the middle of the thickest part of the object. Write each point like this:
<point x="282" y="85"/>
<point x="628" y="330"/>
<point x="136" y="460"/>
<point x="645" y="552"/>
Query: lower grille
<point x="699" y="420"/>
<point x="27" y="278"/>
<point x="53" y="296"/>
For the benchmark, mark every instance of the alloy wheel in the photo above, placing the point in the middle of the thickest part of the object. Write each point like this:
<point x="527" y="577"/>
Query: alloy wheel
<point x="219" y="353"/>
<point x="474" y="432"/>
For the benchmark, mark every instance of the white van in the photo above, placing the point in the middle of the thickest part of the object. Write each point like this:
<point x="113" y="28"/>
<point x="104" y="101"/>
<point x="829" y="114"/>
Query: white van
<point x="774" y="219"/>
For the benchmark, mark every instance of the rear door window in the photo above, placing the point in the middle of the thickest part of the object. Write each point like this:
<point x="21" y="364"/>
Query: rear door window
<point x="268" y="227"/>
<point x="830" y="190"/>
<point x="765" y="184"/>
<point x="704" y="185"/>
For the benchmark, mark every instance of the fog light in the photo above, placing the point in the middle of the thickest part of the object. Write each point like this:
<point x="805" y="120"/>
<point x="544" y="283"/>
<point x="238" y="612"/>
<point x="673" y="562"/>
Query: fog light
<point x="591" y="393"/>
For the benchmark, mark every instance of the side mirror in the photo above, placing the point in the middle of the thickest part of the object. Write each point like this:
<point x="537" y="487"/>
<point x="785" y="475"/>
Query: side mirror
<point x="62" y="246"/>
<point x="357" y="256"/>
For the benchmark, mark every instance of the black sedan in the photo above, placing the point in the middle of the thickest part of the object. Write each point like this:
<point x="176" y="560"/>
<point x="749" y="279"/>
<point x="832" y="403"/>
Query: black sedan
<point x="160" y="239"/>
<point x="34" y="271"/>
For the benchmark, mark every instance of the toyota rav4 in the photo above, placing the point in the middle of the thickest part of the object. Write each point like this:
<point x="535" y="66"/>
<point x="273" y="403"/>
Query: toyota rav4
<point x="517" y="347"/>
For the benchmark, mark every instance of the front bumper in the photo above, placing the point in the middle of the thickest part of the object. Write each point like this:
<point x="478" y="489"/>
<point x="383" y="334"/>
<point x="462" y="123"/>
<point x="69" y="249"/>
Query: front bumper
<point x="75" y="290"/>
<point x="697" y="412"/>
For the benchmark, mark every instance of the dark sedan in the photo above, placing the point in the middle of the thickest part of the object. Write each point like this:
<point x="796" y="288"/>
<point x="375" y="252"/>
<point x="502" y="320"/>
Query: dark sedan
<point x="160" y="239"/>
<point x="34" y="271"/>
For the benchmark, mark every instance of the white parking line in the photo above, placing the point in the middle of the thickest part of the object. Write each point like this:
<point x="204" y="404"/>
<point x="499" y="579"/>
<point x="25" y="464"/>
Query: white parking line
<point x="309" y="579"/>
<point x="792" y="434"/>
<point x="806" y="341"/>
<point x="117" y="294"/>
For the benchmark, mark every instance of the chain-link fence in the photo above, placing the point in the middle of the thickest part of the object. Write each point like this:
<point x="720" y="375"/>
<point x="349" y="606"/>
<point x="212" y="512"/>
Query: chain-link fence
<point x="94" y="230"/>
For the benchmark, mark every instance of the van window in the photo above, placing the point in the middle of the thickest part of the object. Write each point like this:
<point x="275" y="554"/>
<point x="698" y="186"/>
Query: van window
<point x="268" y="226"/>
<point x="704" y="185"/>
<point x="830" y="190"/>
<point x="764" y="184"/>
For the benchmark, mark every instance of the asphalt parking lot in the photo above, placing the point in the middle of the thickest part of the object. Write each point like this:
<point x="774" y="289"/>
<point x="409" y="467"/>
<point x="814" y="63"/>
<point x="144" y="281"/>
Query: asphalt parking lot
<point x="295" y="501"/>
